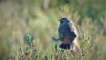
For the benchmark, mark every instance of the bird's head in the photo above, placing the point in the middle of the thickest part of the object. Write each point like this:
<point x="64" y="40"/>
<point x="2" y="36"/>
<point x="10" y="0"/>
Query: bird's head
<point x="63" y="20"/>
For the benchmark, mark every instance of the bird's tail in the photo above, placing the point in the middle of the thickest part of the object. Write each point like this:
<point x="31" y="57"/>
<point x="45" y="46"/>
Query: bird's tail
<point x="75" y="47"/>
<point x="65" y="46"/>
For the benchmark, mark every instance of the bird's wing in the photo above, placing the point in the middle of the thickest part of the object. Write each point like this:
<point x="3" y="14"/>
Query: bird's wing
<point x="72" y="28"/>
<point x="70" y="24"/>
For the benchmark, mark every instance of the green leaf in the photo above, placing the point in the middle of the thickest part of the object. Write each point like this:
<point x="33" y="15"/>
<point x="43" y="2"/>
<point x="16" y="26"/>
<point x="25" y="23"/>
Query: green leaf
<point x="28" y="39"/>
<point x="20" y="48"/>
<point x="82" y="51"/>
<point x="65" y="58"/>
<point x="16" y="57"/>
<point x="62" y="51"/>
<point x="89" y="38"/>
<point x="91" y="46"/>
<point x="36" y="57"/>
<point x="55" y="46"/>
<point x="53" y="38"/>
<point x="83" y="36"/>
<point x="26" y="49"/>
<point x="52" y="56"/>
<point x="32" y="38"/>
<point x="46" y="58"/>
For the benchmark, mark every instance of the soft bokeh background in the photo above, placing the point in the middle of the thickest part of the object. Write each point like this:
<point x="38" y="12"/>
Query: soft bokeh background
<point x="40" y="19"/>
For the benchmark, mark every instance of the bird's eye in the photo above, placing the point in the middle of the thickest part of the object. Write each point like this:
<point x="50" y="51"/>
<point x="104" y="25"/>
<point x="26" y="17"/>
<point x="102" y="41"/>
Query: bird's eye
<point x="62" y="20"/>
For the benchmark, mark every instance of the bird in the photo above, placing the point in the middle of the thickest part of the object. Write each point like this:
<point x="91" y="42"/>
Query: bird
<point x="68" y="35"/>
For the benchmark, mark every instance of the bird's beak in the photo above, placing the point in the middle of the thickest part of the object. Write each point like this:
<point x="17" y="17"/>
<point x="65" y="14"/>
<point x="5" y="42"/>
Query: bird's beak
<point x="58" y="19"/>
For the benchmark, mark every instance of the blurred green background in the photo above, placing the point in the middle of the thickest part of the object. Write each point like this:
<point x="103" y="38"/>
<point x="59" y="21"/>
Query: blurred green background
<point x="40" y="19"/>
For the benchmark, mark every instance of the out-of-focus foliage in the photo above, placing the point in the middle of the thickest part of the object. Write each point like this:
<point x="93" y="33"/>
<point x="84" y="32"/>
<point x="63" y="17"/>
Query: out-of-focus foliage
<point x="40" y="19"/>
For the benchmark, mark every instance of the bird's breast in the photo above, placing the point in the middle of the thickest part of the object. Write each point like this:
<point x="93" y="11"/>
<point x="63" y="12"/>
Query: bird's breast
<point x="63" y="26"/>
<point x="66" y="41"/>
